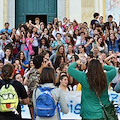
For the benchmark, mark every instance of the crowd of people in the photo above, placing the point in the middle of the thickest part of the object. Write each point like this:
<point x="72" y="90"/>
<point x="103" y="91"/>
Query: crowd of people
<point x="37" y="50"/>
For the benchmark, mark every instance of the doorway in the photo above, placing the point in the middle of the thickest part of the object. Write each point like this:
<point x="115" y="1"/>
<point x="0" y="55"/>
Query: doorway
<point x="43" y="18"/>
<point x="46" y="10"/>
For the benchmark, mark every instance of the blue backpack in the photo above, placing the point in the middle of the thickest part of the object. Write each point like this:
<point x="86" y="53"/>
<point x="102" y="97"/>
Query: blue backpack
<point x="45" y="105"/>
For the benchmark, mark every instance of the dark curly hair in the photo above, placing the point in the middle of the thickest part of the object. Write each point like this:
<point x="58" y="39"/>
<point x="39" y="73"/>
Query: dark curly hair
<point x="46" y="42"/>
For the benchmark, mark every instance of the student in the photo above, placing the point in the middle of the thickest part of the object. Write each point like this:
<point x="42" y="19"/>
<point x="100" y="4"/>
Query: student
<point x="59" y="60"/>
<point x="37" y="23"/>
<point x="70" y="53"/>
<point x="94" y="21"/>
<point x="6" y="29"/>
<point x="44" y="45"/>
<point x="5" y="39"/>
<point x="94" y="83"/>
<point x="17" y="67"/>
<point x="82" y="51"/>
<point x="102" y="46"/>
<point x="35" y="42"/>
<point x="113" y="43"/>
<point x="58" y="42"/>
<point x="8" y="58"/>
<point x="110" y="21"/>
<point x="7" y="75"/>
<point x="34" y="78"/>
<point x="64" y="82"/>
<point x="27" y="46"/>
<point x="60" y="52"/>
<point x="27" y="71"/>
<point x="101" y="22"/>
<point x="23" y="61"/>
<point x="57" y="93"/>
<point x="20" y="78"/>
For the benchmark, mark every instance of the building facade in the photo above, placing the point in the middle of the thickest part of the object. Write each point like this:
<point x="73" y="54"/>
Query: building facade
<point x="17" y="11"/>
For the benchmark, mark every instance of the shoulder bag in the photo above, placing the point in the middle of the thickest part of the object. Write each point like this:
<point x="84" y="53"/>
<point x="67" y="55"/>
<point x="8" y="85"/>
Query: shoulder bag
<point x="109" y="111"/>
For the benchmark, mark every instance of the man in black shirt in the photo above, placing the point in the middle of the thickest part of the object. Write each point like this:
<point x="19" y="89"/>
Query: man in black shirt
<point x="110" y="21"/>
<point x="94" y="21"/>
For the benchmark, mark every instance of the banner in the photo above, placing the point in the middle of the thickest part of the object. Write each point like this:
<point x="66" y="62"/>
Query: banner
<point x="73" y="100"/>
<point x="113" y="96"/>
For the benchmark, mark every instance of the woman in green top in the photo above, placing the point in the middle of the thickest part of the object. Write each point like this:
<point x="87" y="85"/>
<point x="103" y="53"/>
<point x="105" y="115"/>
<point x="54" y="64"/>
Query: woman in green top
<point x="94" y="80"/>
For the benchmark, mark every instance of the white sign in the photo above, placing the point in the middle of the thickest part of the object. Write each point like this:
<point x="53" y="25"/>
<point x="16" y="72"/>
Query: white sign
<point x="25" y="112"/>
<point x="73" y="100"/>
<point x="113" y="96"/>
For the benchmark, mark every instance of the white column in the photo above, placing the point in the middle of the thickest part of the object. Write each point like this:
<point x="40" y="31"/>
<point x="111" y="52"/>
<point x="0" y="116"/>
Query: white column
<point x="96" y="6"/>
<point x="101" y="7"/>
<point x="60" y="9"/>
<point x="11" y="13"/>
<point x="1" y="14"/>
<point x="75" y="10"/>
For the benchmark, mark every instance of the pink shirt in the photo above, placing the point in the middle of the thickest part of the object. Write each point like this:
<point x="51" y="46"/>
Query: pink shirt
<point x="27" y="43"/>
<point x="75" y="27"/>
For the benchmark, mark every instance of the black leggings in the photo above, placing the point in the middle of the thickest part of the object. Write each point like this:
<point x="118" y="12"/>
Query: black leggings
<point x="9" y="117"/>
<point x="35" y="50"/>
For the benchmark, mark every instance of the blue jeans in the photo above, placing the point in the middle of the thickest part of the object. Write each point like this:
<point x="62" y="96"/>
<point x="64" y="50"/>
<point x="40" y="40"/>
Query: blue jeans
<point x="27" y="56"/>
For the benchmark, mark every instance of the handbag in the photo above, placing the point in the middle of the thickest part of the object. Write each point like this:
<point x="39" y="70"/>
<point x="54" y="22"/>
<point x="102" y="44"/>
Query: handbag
<point x="109" y="111"/>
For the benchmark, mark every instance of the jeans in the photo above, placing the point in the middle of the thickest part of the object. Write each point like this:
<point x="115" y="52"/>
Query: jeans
<point x="27" y="56"/>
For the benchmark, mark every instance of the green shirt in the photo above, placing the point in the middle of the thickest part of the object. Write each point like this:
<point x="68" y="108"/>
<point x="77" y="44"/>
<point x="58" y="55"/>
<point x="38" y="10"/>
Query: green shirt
<point x="90" y="107"/>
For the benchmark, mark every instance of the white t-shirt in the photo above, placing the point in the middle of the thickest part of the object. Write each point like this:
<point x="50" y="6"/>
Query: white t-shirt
<point x="35" y="41"/>
<point x="7" y="61"/>
<point x="18" y="32"/>
<point x="1" y="54"/>
<point x="78" y="41"/>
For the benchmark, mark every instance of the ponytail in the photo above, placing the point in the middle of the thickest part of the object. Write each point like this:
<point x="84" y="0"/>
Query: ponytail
<point x="7" y="71"/>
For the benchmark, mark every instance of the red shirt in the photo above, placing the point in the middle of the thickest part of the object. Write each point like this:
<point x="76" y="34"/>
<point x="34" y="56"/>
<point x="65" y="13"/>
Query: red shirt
<point x="19" y="71"/>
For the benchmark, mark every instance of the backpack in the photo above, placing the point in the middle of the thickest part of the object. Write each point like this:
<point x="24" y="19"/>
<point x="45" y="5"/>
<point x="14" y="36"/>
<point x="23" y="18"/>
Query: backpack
<point x="45" y="105"/>
<point x="8" y="97"/>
